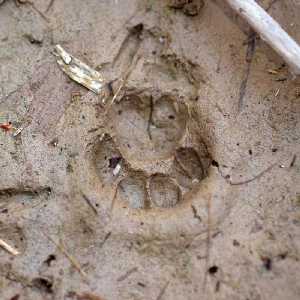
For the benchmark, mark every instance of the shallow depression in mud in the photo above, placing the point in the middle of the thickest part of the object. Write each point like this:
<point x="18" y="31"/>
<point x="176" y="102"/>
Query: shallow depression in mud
<point x="163" y="191"/>
<point x="132" y="190"/>
<point x="148" y="129"/>
<point x="187" y="167"/>
<point x="151" y="161"/>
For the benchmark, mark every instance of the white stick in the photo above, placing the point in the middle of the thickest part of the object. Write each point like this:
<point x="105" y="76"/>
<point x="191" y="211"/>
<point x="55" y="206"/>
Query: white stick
<point x="8" y="248"/>
<point x="270" y="31"/>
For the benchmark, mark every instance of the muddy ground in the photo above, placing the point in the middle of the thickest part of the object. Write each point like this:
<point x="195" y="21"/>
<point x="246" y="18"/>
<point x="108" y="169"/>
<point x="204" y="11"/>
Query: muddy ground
<point x="205" y="133"/>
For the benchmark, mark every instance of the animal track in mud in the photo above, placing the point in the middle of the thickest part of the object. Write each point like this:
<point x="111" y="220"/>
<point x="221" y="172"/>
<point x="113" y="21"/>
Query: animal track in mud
<point x="146" y="154"/>
<point x="146" y="157"/>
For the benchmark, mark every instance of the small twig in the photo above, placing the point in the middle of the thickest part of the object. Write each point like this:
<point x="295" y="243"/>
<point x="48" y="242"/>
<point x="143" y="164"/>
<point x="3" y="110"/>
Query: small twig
<point x="49" y="5"/>
<point x="123" y="82"/>
<point x="105" y="239"/>
<point x="254" y="178"/>
<point x="163" y="290"/>
<point x="124" y="79"/>
<point x="88" y="201"/>
<point x="72" y="260"/>
<point x="9" y="248"/>
<point x="228" y="180"/>
<point x="293" y="161"/>
<point x="40" y="13"/>
<point x="249" y="59"/>
<point x="128" y="273"/>
<point x="195" y="213"/>
<point x="150" y="118"/>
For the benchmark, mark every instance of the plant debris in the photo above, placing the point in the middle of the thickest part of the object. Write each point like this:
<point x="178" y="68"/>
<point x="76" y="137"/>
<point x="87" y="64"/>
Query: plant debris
<point x="195" y="213"/>
<point x="72" y="260"/>
<point x="79" y="71"/>
<point x="293" y="161"/>
<point x="90" y="204"/>
<point x="49" y="5"/>
<point x="150" y="121"/>
<point x="18" y="131"/>
<point x="9" y="248"/>
<point x="105" y="239"/>
<point x="253" y="178"/>
<point x="251" y="46"/>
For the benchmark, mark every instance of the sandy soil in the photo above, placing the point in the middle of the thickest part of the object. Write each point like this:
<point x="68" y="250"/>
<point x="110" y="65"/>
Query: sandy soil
<point x="206" y="130"/>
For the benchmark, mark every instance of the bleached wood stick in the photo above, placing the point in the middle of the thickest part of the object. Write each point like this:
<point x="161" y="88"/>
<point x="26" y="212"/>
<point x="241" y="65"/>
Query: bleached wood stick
<point x="270" y="31"/>
<point x="8" y="248"/>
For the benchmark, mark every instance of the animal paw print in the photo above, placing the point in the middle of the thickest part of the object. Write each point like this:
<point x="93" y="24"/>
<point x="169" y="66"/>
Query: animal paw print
<point x="147" y="156"/>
